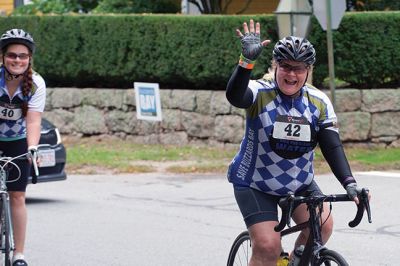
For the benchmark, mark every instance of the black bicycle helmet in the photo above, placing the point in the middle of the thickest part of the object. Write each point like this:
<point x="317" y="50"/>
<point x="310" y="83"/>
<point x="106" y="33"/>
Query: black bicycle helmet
<point x="17" y="36"/>
<point x="295" y="49"/>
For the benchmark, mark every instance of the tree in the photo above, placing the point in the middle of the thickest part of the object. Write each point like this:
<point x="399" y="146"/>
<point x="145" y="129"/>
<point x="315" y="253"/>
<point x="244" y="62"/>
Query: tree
<point x="98" y="6"/>
<point x="56" y="7"/>
<point x="217" y="6"/>
<point x="373" y="5"/>
<point x="136" y="6"/>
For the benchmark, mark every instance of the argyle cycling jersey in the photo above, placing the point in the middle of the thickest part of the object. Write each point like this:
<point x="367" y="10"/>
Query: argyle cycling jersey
<point x="12" y="122"/>
<point x="284" y="164"/>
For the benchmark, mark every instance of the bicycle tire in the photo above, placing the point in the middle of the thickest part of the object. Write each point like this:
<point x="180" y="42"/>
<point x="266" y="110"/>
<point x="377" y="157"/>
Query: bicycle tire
<point x="5" y="212"/>
<point x="1" y="226"/>
<point x="331" y="258"/>
<point x="240" y="252"/>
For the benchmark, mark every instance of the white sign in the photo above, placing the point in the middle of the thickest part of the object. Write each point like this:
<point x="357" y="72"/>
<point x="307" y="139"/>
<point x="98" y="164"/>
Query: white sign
<point x="338" y="7"/>
<point x="148" y="103"/>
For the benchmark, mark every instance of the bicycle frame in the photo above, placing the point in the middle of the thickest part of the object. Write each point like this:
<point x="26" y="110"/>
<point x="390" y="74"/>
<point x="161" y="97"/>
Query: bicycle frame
<point x="6" y="226"/>
<point x="314" y="243"/>
<point x="7" y="245"/>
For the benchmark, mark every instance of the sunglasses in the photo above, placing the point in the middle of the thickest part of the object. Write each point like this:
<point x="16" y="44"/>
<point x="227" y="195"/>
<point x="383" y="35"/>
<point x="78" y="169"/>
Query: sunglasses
<point x="14" y="56"/>
<point x="301" y="69"/>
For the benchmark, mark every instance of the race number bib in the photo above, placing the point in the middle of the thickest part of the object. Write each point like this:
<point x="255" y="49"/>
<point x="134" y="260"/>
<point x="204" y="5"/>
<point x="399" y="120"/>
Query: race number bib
<point x="10" y="112"/>
<point x="292" y="128"/>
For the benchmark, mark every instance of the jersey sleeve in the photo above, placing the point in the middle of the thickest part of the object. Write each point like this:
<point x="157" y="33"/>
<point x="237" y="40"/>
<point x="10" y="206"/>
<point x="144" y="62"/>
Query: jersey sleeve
<point x="38" y="99"/>
<point x="327" y="115"/>
<point x="254" y="86"/>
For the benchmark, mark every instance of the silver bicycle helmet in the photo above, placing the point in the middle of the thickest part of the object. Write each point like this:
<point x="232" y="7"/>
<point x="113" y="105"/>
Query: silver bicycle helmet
<point x="295" y="49"/>
<point x="17" y="36"/>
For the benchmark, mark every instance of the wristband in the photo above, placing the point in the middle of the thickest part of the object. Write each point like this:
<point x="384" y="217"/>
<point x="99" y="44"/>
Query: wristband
<point x="246" y="63"/>
<point x="348" y="180"/>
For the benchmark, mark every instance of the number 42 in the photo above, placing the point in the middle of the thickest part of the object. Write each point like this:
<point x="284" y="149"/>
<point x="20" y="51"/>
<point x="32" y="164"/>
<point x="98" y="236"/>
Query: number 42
<point x="293" y="130"/>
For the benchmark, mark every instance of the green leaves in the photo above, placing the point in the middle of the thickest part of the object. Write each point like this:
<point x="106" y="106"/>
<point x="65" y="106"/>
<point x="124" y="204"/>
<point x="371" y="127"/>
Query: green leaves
<point x="197" y="52"/>
<point x="137" y="6"/>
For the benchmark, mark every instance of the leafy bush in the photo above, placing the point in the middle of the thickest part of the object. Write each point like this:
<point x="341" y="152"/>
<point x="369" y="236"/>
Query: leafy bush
<point x="136" y="6"/>
<point x="56" y="7"/>
<point x="377" y="5"/>
<point x="97" y="6"/>
<point x="198" y="52"/>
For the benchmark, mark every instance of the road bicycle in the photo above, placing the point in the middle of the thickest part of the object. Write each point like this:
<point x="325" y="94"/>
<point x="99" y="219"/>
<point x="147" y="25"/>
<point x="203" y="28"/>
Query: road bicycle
<point x="6" y="225"/>
<point x="315" y="253"/>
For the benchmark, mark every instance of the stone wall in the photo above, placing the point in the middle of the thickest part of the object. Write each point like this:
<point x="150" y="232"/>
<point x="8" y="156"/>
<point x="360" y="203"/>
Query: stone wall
<point x="366" y="117"/>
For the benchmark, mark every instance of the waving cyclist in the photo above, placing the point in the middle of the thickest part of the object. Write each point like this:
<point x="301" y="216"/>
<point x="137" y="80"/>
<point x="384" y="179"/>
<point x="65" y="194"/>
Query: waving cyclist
<point x="285" y="119"/>
<point x="22" y="100"/>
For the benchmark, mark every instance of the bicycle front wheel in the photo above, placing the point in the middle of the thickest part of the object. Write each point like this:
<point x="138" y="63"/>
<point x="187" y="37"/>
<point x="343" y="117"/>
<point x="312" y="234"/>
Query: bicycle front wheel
<point x="240" y="252"/>
<point x="5" y="229"/>
<point x="331" y="258"/>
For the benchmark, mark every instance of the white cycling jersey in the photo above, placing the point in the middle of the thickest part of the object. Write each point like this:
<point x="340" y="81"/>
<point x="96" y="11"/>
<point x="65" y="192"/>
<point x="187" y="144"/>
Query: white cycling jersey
<point x="12" y="122"/>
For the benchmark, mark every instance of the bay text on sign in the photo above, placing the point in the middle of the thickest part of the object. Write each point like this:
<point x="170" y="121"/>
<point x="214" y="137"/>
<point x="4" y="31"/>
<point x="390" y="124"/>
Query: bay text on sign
<point x="148" y="103"/>
<point x="147" y="100"/>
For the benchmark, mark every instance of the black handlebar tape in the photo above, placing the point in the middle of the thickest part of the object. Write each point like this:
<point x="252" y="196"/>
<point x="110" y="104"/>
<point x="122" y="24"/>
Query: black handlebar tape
<point x="34" y="177"/>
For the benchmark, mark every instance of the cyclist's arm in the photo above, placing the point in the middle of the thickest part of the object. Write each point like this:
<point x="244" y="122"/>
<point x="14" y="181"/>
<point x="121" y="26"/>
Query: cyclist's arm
<point x="33" y="122"/>
<point x="333" y="152"/>
<point x="237" y="91"/>
<point x="36" y="106"/>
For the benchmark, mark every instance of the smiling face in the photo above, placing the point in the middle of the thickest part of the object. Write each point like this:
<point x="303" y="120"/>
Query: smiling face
<point x="16" y="58"/>
<point x="291" y="76"/>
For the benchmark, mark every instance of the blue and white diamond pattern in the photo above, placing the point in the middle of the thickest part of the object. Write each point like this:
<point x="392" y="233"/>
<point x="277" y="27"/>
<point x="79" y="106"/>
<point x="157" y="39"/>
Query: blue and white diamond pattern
<point x="12" y="129"/>
<point x="274" y="174"/>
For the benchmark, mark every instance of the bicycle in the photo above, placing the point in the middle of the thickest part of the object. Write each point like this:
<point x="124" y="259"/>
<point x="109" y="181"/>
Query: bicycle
<point x="6" y="225"/>
<point x="315" y="253"/>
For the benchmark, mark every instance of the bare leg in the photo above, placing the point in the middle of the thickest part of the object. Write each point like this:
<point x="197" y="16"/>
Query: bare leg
<point x="266" y="244"/>
<point x="19" y="217"/>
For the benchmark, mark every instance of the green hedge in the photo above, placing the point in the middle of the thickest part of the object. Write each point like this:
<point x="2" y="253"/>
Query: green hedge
<point x="366" y="50"/>
<point x="196" y="52"/>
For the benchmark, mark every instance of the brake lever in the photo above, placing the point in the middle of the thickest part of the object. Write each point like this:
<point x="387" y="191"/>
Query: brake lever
<point x="289" y="213"/>
<point x="33" y="154"/>
<point x="286" y="212"/>
<point x="365" y="200"/>
<point x="363" y="205"/>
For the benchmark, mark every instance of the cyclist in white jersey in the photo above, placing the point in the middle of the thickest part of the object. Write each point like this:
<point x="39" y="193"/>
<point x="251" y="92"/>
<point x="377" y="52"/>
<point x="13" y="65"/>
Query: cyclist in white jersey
<point x="22" y="101"/>
<point x="285" y="119"/>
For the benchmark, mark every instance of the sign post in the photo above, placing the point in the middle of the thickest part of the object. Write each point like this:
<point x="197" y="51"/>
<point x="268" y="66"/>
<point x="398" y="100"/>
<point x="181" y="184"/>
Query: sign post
<point x="331" y="63"/>
<point x="329" y="14"/>
<point x="148" y="103"/>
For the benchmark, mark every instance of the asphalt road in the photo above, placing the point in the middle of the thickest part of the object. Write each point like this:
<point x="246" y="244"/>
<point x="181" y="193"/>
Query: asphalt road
<point x="155" y="220"/>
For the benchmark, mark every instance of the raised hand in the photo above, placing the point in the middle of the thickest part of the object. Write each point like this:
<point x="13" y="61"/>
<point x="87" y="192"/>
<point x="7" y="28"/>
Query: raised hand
<point x="251" y="41"/>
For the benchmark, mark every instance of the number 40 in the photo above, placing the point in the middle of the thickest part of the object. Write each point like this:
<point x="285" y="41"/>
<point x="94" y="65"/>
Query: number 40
<point x="7" y="112"/>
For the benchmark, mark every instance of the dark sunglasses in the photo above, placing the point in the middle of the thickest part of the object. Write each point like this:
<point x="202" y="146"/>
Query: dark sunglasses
<point x="14" y="56"/>
<point x="301" y="69"/>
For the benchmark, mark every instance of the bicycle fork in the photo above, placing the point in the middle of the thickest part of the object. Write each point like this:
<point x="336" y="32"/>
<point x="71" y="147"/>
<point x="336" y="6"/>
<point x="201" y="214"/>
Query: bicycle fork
<point x="6" y="222"/>
<point x="314" y="243"/>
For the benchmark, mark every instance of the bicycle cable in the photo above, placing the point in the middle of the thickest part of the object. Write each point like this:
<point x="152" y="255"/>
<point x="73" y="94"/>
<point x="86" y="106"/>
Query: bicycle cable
<point x="8" y="161"/>
<point x="329" y="214"/>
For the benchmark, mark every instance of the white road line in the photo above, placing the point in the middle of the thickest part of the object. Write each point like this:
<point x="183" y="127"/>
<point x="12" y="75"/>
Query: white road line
<point x="379" y="173"/>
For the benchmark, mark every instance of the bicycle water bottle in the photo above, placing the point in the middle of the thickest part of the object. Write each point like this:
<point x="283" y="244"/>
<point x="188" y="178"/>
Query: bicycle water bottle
<point x="283" y="259"/>
<point x="296" y="256"/>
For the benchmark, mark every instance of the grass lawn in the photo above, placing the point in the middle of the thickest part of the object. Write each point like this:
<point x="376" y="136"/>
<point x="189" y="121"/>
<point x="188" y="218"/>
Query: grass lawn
<point x="96" y="155"/>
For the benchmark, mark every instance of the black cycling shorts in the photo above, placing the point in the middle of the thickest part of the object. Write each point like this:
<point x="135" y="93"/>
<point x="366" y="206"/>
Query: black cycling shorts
<point x="257" y="206"/>
<point x="12" y="149"/>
